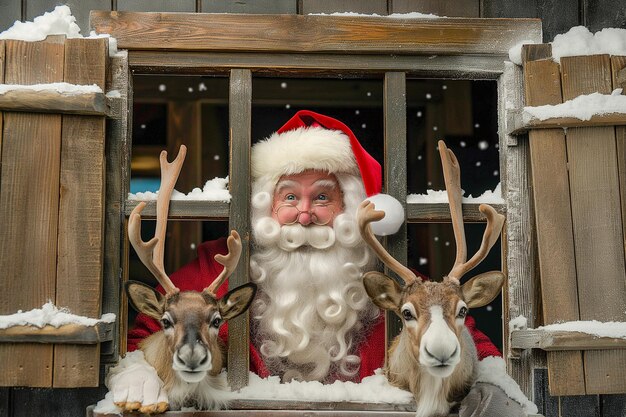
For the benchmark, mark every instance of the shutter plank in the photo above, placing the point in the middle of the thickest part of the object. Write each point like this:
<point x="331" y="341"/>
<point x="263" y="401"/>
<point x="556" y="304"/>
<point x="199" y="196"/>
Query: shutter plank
<point x="553" y="219"/>
<point x="29" y="200"/>
<point x="597" y="223"/>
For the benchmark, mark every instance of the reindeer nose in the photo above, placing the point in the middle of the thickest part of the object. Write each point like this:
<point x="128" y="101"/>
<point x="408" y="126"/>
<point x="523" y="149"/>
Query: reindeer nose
<point x="442" y="357"/>
<point x="192" y="356"/>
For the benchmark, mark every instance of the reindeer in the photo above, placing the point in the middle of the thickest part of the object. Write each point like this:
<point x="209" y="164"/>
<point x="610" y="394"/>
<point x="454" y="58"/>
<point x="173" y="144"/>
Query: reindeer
<point x="187" y="353"/>
<point x="434" y="356"/>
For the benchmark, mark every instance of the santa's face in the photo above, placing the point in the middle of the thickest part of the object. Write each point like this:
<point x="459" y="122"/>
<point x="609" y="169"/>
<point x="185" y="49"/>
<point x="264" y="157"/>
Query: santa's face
<point x="311" y="307"/>
<point x="308" y="198"/>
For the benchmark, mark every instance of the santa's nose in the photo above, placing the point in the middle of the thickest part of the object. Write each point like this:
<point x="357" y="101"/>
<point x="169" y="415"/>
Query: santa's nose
<point x="305" y="218"/>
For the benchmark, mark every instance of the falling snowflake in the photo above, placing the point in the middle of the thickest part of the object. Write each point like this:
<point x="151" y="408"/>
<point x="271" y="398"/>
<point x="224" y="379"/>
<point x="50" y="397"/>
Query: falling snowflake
<point x="496" y="173"/>
<point x="287" y="106"/>
<point x="462" y="143"/>
<point x="357" y="112"/>
<point x="444" y="87"/>
<point x="423" y="261"/>
<point x="192" y="246"/>
<point x="483" y="144"/>
<point x="436" y="238"/>
<point x="447" y="243"/>
<point x="162" y="87"/>
<point x="429" y="96"/>
<point x="216" y="157"/>
<point x="489" y="308"/>
<point x="143" y="126"/>
<point x="202" y="87"/>
<point x="419" y="157"/>
<point x="478" y="163"/>
<point x="190" y="89"/>
<point x="435" y="128"/>
<point x="363" y="125"/>
<point x="283" y="85"/>
<point x="419" y="114"/>
<point x="369" y="93"/>
<point x="477" y="125"/>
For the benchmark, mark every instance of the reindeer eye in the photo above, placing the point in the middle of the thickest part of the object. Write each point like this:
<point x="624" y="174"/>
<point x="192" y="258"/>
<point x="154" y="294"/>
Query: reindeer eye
<point x="462" y="313"/>
<point x="166" y="323"/>
<point x="216" y="322"/>
<point x="407" y="315"/>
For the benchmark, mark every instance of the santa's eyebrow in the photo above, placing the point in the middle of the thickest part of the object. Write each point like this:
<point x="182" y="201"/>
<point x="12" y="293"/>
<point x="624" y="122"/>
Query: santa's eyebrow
<point x="324" y="183"/>
<point x="285" y="184"/>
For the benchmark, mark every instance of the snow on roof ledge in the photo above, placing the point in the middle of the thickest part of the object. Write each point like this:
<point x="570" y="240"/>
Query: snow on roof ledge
<point x="580" y="41"/>
<point x="583" y="107"/>
<point x="51" y="315"/>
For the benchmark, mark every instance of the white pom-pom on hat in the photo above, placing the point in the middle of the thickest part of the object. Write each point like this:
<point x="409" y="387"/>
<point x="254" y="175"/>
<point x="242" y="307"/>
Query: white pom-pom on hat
<point x="394" y="214"/>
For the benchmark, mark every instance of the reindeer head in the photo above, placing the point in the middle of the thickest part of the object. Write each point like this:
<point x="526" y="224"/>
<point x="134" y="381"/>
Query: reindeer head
<point x="190" y="319"/>
<point x="433" y="313"/>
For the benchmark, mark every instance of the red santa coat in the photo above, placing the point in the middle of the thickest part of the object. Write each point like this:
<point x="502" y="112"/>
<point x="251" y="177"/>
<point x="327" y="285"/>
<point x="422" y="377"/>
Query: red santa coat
<point x="198" y="274"/>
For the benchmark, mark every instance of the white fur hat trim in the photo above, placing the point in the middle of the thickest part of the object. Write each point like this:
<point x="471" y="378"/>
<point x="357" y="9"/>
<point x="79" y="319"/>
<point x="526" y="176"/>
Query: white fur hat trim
<point x="301" y="149"/>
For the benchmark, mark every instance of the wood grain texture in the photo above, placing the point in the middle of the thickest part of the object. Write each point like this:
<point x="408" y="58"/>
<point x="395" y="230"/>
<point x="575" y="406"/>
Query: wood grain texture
<point x="596" y="216"/>
<point x="457" y="8"/>
<point x="618" y="66"/>
<point x="522" y="122"/>
<point x="395" y="175"/>
<point x="81" y="214"/>
<point x="296" y="33"/>
<point x="520" y="254"/>
<point x="240" y="121"/>
<point x="70" y="333"/>
<point x="53" y="102"/>
<point x="553" y="220"/>
<point x="29" y="201"/>
<point x="561" y="340"/>
<point x="446" y="66"/>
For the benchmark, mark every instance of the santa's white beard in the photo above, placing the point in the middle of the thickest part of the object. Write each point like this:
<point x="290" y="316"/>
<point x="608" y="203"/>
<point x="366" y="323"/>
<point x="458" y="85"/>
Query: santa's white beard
<point x="311" y="309"/>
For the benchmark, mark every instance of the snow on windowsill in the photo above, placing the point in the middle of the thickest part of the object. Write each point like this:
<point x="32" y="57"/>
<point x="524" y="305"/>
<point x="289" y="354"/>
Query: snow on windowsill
<point x="582" y="107"/>
<point x="213" y="190"/>
<point x="63" y="88"/>
<point x="50" y="315"/>
<point x="611" y="329"/>
<point x="434" y="197"/>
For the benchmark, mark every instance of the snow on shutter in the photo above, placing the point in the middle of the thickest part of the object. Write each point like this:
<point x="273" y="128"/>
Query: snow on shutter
<point x="52" y="200"/>
<point x="579" y="189"/>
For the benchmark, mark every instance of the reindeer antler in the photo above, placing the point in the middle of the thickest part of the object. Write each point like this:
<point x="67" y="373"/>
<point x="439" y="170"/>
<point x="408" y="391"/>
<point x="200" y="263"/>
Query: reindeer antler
<point x="367" y="213"/>
<point x="151" y="252"/>
<point x="229" y="261"/>
<point x="495" y="221"/>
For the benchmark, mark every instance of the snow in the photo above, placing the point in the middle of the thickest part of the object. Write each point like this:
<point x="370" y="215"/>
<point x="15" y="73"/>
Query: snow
<point x="213" y="190"/>
<point x="580" y="41"/>
<point x="63" y="88"/>
<point x="612" y="329"/>
<point x="412" y="15"/>
<point x="57" y="22"/>
<point x="582" y="107"/>
<point x="372" y="389"/>
<point x="493" y="371"/>
<point x="432" y="197"/>
<point x="394" y="215"/>
<point x="518" y="323"/>
<point x="49" y="314"/>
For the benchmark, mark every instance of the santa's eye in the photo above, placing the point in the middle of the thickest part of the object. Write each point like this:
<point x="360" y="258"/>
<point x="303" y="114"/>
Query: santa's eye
<point x="407" y="315"/>
<point x="322" y="197"/>
<point x="462" y="313"/>
<point x="290" y="197"/>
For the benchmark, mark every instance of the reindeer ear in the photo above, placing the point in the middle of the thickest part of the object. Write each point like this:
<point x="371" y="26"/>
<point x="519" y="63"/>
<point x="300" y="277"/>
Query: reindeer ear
<point x="236" y="301"/>
<point x="384" y="291"/>
<point x="482" y="289"/>
<point x="145" y="299"/>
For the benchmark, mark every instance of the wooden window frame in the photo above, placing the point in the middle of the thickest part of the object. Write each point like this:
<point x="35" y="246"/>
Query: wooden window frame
<point x="390" y="49"/>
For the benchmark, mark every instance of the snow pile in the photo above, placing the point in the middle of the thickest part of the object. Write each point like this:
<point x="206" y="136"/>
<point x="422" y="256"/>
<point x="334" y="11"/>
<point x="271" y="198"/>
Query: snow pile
<point x="518" y="323"/>
<point x="612" y="329"/>
<point x="412" y="15"/>
<point x="63" y="88"/>
<point x="580" y="41"/>
<point x="582" y="107"/>
<point x="372" y="389"/>
<point x="213" y="190"/>
<point x="432" y="197"/>
<point x="492" y="370"/>
<point x="49" y="314"/>
<point x="57" y="22"/>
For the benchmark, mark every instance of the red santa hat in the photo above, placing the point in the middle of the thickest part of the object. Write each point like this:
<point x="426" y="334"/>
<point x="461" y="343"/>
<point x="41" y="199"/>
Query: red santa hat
<point x="313" y="141"/>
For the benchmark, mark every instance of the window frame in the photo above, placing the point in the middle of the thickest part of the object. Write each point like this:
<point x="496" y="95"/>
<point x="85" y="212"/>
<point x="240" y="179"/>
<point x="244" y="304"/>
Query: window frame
<point x="389" y="49"/>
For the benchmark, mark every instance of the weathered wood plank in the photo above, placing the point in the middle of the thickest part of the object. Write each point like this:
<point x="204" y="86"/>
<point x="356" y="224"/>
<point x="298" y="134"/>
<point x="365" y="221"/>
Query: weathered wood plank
<point x="561" y="340"/>
<point x="184" y="210"/>
<point x="440" y="212"/>
<point x="81" y="214"/>
<point x="618" y="67"/>
<point x="520" y="254"/>
<point x="553" y="220"/>
<point x="596" y="216"/>
<point x="117" y="166"/>
<point x="297" y="33"/>
<point x="378" y="7"/>
<point x="395" y="175"/>
<point x="53" y="102"/>
<point x="2" y="60"/>
<point x="240" y="121"/>
<point x="183" y="127"/>
<point x="520" y="123"/>
<point x="70" y="333"/>
<point x="458" y="8"/>
<point x="439" y="66"/>
<point x="29" y="201"/>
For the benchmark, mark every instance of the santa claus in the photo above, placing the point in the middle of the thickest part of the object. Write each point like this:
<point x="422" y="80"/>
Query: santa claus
<point x="312" y="319"/>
